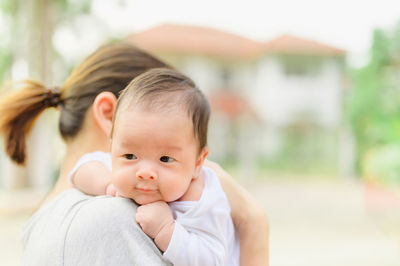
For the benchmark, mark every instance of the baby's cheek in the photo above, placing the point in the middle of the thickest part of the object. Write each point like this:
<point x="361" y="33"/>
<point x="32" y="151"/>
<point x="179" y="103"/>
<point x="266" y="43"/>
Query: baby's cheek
<point x="173" y="190"/>
<point x="121" y="182"/>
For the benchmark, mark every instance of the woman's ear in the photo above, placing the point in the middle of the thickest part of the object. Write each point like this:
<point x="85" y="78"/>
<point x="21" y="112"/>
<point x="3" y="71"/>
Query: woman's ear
<point x="103" y="111"/>
<point x="200" y="160"/>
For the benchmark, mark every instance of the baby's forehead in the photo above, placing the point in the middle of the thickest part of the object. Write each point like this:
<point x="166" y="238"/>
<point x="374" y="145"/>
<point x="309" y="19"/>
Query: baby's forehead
<point x="157" y="108"/>
<point x="176" y="118"/>
<point x="157" y="101"/>
<point x="160" y="112"/>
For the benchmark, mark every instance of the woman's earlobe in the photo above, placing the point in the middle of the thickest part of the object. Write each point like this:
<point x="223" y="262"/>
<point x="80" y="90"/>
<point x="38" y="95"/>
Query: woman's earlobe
<point x="103" y="111"/>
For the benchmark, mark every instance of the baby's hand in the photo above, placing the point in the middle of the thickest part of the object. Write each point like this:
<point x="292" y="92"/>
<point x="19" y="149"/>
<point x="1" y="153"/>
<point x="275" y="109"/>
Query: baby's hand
<point x="157" y="222"/>
<point x="153" y="217"/>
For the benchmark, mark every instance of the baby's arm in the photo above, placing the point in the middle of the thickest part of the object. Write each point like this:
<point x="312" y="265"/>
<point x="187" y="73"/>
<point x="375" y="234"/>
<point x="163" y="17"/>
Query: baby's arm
<point x="93" y="178"/>
<point x="183" y="247"/>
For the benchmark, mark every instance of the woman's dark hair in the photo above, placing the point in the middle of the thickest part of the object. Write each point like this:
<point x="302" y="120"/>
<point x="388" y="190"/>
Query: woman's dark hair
<point x="110" y="68"/>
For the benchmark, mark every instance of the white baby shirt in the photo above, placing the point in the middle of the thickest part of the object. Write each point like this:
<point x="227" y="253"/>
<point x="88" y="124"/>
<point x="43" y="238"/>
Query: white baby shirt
<point x="204" y="233"/>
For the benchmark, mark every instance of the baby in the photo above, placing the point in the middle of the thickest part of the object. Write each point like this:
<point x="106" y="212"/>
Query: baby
<point x="158" y="148"/>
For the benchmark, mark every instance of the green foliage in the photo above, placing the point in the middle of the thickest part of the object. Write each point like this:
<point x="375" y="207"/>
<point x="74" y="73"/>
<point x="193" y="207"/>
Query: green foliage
<point x="306" y="149"/>
<point x="8" y="9"/>
<point x="373" y="104"/>
<point x="383" y="165"/>
<point x="5" y="61"/>
<point x="67" y="9"/>
<point x="8" y="6"/>
<point x="61" y="10"/>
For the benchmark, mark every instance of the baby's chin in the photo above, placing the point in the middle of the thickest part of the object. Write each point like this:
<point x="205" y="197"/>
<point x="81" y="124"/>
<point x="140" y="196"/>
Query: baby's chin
<point x="139" y="199"/>
<point x="144" y="201"/>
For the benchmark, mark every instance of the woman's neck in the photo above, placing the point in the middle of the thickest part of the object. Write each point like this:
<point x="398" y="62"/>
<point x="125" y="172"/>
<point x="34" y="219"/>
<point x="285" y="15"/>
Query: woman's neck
<point x="75" y="148"/>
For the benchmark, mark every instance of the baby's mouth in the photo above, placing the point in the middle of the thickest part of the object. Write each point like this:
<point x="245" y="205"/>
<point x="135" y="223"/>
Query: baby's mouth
<point x="145" y="189"/>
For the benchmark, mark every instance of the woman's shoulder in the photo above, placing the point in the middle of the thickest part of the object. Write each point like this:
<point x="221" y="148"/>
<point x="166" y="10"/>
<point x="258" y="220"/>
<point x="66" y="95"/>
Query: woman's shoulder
<point x="107" y="206"/>
<point x="73" y="206"/>
<point x="101" y="216"/>
<point x="106" y="225"/>
<point x="104" y="214"/>
<point x="77" y="229"/>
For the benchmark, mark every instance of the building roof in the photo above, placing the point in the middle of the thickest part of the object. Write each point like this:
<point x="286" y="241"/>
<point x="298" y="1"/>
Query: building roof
<point x="294" y="45"/>
<point x="184" y="39"/>
<point x="194" y="40"/>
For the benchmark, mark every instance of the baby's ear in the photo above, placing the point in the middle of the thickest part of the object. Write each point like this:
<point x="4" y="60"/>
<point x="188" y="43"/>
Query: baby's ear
<point x="200" y="160"/>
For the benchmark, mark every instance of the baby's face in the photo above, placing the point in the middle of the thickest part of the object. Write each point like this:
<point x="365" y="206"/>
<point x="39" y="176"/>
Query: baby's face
<point x="154" y="155"/>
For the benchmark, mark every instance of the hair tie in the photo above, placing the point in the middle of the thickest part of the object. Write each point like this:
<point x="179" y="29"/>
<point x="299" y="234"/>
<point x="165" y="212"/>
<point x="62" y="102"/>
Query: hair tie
<point x="52" y="97"/>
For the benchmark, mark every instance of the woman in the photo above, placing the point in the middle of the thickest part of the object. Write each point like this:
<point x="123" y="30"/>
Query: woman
<point x="72" y="228"/>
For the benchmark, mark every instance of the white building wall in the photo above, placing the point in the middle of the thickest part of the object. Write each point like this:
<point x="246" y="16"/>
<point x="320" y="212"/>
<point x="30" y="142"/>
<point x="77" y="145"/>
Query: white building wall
<point x="242" y="77"/>
<point x="267" y="98"/>
<point x="207" y="73"/>
<point x="204" y="72"/>
<point x="281" y="99"/>
<point x="331" y="95"/>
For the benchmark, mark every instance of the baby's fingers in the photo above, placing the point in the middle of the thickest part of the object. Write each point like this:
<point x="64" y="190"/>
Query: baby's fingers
<point x="111" y="191"/>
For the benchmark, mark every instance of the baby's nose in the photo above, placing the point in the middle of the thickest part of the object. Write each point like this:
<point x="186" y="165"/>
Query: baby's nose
<point x="146" y="172"/>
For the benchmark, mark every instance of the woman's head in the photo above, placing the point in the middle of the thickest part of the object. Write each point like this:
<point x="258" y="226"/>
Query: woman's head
<point x="110" y="69"/>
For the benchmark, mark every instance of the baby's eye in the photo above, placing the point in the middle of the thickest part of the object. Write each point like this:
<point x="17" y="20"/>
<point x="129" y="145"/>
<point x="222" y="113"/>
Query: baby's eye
<point x="166" y="159"/>
<point x="130" y="156"/>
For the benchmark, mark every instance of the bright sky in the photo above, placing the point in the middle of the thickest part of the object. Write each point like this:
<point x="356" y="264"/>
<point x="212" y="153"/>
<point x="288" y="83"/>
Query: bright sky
<point x="344" y="24"/>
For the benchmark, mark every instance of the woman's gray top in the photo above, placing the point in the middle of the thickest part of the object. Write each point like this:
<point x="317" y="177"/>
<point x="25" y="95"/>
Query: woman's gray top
<point x="77" y="229"/>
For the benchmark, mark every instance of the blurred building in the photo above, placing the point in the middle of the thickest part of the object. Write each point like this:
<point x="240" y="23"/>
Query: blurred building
<point x="275" y="100"/>
<point x="263" y="94"/>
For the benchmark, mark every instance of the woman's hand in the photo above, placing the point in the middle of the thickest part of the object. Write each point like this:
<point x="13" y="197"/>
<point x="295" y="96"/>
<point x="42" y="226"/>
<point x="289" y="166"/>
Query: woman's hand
<point x="249" y="218"/>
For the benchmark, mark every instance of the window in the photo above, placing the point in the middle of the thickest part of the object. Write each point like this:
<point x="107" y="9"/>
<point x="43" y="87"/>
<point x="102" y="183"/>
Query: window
<point x="225" y="76"/>
<point x="296" y="65"/>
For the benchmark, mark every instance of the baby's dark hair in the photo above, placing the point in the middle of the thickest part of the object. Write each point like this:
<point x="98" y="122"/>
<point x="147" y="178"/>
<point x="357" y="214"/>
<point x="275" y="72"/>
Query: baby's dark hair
<point x="163" y="89"/>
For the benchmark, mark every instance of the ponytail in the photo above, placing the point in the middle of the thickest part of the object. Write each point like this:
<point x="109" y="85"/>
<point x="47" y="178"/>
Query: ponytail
<point x="109" y="68"/>
<point x="18" y="113"/>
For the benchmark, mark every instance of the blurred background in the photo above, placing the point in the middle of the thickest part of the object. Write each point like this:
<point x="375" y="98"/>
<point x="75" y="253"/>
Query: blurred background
<point x="305" y="98"/>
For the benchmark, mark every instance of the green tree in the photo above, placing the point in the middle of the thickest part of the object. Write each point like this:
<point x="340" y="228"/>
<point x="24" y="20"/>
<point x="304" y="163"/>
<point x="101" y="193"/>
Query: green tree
<point x="373" y="104"/>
